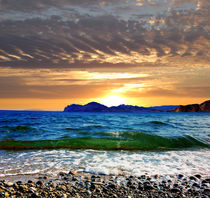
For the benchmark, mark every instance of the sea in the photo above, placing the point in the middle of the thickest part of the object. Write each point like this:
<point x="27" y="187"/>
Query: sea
<point x="46" y="142"/>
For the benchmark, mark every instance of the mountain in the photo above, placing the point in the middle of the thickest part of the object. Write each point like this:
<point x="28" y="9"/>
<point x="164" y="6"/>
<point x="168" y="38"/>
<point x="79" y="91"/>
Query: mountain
<point x="127" y="108"/>
<point x="164" y="107"/>
<point x="97" y="107"/>
<point x="203" y="107"/>
<point x="90" y="107"/>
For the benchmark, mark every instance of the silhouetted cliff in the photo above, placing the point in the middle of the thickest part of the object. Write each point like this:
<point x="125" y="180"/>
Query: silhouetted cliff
<point x="203" y="107"/>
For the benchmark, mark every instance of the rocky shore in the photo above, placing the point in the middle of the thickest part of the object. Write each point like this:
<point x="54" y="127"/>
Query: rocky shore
<point x="203" y="107"/>
<point x="79" y="184"/>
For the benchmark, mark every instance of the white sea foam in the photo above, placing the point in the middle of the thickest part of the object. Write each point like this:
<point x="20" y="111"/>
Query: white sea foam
<point x="106" y="162"/>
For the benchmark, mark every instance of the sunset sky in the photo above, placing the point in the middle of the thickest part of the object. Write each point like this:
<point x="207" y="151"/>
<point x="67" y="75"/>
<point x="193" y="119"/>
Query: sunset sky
<point x="139" y="52"/>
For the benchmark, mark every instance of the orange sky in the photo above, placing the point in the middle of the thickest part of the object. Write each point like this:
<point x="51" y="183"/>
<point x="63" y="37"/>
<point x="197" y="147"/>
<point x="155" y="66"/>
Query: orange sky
<point x="137" y="52"/>
<point x="49" y="89"/>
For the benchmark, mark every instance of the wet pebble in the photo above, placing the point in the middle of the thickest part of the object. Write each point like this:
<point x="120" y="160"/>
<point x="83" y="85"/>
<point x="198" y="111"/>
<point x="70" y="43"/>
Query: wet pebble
<point x="175" y="190"/>
<point x="206" y="192"/>
<point x="84" y="185"/>
<point x="192" y="178"/>
<point x="180" y="176"/>
<point x="39" y="183"/>
<point x="198" y="176"/>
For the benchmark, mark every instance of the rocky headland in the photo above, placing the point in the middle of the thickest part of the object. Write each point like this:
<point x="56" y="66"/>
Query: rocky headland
<point x="203" y="107"/>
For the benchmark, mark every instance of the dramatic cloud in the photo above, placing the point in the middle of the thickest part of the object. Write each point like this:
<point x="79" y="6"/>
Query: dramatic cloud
<point x="92" y="48"/>
<point x="69" y="34"/>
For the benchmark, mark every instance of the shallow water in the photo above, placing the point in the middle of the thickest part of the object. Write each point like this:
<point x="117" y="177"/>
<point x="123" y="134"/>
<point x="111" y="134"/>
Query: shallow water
<point x="123" y="143"/>
<point x="105" y="162"/>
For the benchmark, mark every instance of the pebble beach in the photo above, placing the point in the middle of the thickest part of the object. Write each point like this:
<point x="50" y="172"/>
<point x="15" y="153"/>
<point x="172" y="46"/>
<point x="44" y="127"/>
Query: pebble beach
<point x="59" y="154"/>
<point x="80" y="184"/>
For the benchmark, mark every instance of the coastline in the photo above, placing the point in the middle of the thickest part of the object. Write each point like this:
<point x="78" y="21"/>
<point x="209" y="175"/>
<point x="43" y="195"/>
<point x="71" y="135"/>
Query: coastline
<point x="116" y="173"/>
<point x="81" y="184"/>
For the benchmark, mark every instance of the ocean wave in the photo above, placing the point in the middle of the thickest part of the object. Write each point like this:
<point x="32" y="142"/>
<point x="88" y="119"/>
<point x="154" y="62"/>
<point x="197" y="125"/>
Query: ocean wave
<point x="9" y="121"/>
<point x="72" y="129"/>
<point x="132" y="141"/>
<point x="20" y="128"/>
<point x="158" y="123"/>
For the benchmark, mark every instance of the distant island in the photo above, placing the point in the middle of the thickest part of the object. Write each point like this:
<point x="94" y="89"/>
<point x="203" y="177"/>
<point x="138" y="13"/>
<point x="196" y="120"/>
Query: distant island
<point x="97" y="107"/>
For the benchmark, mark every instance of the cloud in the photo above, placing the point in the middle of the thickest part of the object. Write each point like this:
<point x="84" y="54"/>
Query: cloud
<point x="182" y="92"/>
<point x="42" y="41"/>
<point x="100" y="41"/>
<point x="27" y="5"/>
<point x="15" y="87"/>
<point x="57" y="84"/>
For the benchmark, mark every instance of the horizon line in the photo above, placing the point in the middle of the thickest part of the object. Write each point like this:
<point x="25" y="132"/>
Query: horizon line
<point x="81" y="105"/>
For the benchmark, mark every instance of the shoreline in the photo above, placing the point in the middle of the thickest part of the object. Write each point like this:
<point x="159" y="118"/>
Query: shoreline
<point x="82" y="184"/>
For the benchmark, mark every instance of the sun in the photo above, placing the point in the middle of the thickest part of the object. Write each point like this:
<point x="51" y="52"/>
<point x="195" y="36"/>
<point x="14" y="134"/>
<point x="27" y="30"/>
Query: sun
<point x="113" y="100"/>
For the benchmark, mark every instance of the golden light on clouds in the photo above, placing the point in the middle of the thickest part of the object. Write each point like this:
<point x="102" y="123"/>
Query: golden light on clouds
<point x="142" y="52"/>
<point x="45" y="77"/>
<point x="96" y="75"/>
<point x="127" y="87"/>
<point x="144" y="87"/>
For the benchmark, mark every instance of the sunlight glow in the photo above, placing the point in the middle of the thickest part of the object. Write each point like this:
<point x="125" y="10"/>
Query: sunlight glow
<point x="113" y="100"/>
<point x="97" y="75"/>
<point x="127" y="87"/>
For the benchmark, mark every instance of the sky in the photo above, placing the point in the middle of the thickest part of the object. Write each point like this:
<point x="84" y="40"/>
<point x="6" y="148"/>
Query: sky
<point x="138" y="52"/>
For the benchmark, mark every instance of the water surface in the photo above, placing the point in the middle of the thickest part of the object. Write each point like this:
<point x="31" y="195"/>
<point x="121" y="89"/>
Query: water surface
<point x="106" y="143"/>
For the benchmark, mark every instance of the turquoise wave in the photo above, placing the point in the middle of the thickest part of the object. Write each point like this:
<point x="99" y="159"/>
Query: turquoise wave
<point x="158" y="123"/>
<point x="131" y="141"/>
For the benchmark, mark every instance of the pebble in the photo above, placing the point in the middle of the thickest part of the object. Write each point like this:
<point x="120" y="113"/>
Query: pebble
<point x="9" y="184"/>
<point x="34" y="195"/>
<point x="87" y="185"/>
<point x="62" y="173"/>
<point x="32" y="190"/>
<point x="205" y="181"/>
<point x="192" y="178"/>
<point x="89" y="192"/>
<point x="19" y="182"/>
<point x="30" y="182"/>
<point x="196" y="185"/>
<point x="39" y="182"/>
<point x="65" y="196"/>
<point x="180" y="176"/>
<point x="206" y="192"/>
<point x="175" y="190"/>
<point x="198" y="176"/>
<point x="53" y="184"/>
<point x="148" y="187"/>
<point x="6" y="194"/>
<point x="72" y="172"/>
